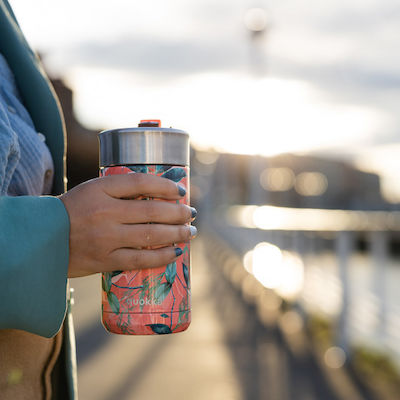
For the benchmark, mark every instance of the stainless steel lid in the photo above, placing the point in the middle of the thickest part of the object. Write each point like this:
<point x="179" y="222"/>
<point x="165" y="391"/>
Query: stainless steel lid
<point x="144" y="145"/>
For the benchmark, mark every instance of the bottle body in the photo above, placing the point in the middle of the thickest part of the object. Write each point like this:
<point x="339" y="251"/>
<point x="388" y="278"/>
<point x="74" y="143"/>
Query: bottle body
<point x="152" y="300"/>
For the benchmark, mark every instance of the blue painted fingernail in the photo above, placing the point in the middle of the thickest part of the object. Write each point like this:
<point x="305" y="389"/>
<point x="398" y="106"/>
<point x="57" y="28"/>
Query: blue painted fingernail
<point x="178" y="251"/>
<point x="193" y="231"/>
<point x="194" y="212"/>
<point x="181" y="190"/>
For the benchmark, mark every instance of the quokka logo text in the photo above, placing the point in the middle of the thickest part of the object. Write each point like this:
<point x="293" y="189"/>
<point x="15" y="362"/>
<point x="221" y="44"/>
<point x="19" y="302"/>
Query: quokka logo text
<point x="143" y="302"/>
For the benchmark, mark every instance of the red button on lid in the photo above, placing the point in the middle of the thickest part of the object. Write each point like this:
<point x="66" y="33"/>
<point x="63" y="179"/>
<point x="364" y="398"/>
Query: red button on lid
<point x="150" y="123"/>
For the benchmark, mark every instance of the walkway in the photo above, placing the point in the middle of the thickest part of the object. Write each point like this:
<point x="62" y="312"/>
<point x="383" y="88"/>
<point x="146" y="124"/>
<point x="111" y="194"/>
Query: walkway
<point x="232" y="350"/>
<point x="194" y="365"/>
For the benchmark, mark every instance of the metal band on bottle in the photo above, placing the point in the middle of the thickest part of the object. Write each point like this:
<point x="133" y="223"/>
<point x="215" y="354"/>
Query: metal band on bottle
<point x="143" y="145"/>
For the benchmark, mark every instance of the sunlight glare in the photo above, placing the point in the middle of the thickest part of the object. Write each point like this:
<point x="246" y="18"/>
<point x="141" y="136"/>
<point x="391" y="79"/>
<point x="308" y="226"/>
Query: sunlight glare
<point x="275" y="269"/>
<point x="267" y="260"/>
<point x="248" y="261"/>
<point x="292" y="276"/>
<point x="225" y="112"/>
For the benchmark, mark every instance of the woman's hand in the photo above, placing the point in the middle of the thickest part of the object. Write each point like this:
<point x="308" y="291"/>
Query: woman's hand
<point x="108" y="231"/>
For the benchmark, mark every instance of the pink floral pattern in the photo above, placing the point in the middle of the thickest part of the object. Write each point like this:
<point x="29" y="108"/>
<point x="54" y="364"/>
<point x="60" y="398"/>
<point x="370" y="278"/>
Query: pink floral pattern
<point x="149" y="301"/>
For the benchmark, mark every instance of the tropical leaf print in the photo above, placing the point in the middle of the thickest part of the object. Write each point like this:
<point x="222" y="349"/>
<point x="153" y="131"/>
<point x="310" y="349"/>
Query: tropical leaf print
<point x="170" y="272"/>
<point x="162" y="168"/>
<point x="113" y="301"/>
<point x="183" y="315"/>
<point x="160" y="329"/>
<point x="154" y="301"/>
<point x="106" y="325"/>
<point x="106" y="282"/>
<point x="138" y="168"/>
<point x="174" y="174"/>
<point x="103" y="284"/>
<point x="115" y="273"/>
<point x="162" y="292"/>
<point x="185" y="273"/>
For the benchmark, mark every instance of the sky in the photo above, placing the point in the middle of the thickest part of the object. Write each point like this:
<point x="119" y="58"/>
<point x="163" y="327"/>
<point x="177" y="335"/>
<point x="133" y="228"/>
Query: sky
<point x="324" y="77"/>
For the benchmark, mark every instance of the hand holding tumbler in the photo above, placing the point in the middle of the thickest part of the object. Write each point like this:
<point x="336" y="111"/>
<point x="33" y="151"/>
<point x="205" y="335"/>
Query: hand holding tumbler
<point x="152" y="300"/>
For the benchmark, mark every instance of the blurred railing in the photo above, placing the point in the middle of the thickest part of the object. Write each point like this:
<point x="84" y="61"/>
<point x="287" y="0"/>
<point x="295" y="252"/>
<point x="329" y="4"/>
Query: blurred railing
<point x="311" y="257"/>
<point x="317" y="220"/>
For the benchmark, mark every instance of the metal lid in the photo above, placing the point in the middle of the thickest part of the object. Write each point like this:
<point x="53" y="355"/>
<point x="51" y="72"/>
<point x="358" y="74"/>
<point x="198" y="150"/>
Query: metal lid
<point x="144" y="145"/>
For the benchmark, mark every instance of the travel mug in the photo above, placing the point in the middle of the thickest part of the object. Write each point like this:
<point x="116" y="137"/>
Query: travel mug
<point x="153" y="300"/>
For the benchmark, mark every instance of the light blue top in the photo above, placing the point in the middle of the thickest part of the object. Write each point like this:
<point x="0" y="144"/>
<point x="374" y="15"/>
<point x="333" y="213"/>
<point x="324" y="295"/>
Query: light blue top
<point x="26" y="165"/>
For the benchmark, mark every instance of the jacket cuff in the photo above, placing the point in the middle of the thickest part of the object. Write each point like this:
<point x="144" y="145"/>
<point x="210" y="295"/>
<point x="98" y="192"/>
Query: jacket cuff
<point x="34" y="253"/>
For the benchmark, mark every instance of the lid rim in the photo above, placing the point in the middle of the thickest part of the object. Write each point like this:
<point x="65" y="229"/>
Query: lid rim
<point x="144" y="145"/>
<point x="143" y="130"/>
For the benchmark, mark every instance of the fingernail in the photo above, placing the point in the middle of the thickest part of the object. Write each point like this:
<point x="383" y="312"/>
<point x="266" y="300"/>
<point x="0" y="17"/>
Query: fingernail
<point x="193" y="231"/>
<point x="194" y="212"/>
<point x="178" y="251"/>
<point x="181" y="190"/>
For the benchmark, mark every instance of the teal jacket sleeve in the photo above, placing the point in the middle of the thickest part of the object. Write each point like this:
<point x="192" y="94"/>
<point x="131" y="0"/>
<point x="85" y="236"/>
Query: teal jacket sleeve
<point x="34" y="251"/>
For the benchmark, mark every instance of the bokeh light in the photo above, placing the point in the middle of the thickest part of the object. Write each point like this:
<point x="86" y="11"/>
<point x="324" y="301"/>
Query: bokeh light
<point x="335" y="357"/>
<point x="256" y="19"/>
<point x="248" y="261"/>
<point x="275" y="269"/>
<point x="311" y="184"/>
<point x="292" y="276"/>
<point x="291" y="322"/>
<point x="267" y="259"/>
<point x="277" y="179"/>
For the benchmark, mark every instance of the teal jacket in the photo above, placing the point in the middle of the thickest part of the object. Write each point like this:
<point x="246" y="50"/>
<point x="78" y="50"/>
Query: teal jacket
<point x="34" y="231"/>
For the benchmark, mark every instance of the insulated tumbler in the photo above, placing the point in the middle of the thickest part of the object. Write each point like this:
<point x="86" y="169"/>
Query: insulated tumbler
<point x="153" y="300"/>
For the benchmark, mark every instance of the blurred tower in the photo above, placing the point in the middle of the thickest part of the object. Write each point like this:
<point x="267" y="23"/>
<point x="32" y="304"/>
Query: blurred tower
<point x="257" y="23"/>
<point x="256" y="20"/>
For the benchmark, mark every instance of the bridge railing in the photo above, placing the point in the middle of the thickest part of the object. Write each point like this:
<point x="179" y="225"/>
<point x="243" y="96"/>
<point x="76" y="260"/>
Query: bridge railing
<point x="289" y="240"/>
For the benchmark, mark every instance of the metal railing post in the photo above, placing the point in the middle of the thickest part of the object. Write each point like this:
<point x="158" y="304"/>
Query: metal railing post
<point x="379" y="254"/>
<point x="256" y="193"/>
<point x="344" y="249"/>
<point x="298" y="244"/>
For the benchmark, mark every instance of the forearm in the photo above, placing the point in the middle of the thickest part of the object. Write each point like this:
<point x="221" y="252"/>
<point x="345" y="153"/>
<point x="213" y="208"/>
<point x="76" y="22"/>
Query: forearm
<point x="34" y="251"/>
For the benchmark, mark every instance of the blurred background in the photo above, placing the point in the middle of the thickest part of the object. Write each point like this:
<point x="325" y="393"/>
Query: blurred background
<point x="292" y="108"/>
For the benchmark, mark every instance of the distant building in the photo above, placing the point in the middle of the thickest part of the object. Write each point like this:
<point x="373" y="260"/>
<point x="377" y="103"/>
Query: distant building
<point x="294" y="181"/>
<point x="82" y="143"/>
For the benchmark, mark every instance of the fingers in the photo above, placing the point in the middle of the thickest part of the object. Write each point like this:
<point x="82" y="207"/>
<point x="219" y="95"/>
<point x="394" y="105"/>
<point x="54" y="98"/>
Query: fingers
<point x="162" y="212"/>
<point x="137" y="184"/>
<point x="128" y="259"/>
<point x="144" y="235"/>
